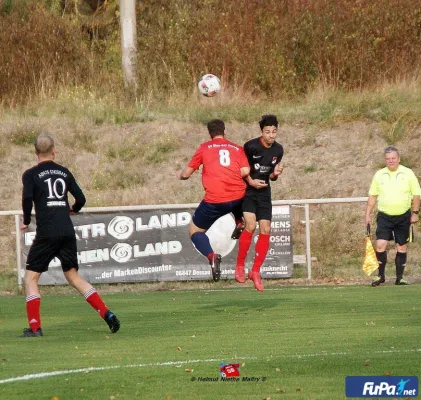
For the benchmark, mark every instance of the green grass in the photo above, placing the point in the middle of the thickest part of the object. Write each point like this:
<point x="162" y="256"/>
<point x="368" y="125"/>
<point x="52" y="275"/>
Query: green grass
<point x="303" y="340"/>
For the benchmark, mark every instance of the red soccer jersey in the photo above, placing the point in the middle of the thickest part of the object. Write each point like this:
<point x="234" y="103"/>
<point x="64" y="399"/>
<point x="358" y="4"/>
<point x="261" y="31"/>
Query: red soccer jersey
<point x="221" y="175"/>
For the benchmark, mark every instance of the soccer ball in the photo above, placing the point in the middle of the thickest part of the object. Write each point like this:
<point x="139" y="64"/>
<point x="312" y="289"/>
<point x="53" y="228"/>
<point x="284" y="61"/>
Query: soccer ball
<point x="209" y="85"/>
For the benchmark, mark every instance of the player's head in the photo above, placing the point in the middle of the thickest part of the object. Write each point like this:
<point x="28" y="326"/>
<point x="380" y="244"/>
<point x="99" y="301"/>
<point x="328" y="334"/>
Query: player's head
<point x="44" y="146"/>
<point x="268" y="120"/>
<point x="269" y="127"/>
<point x="216" y="127"/>
<point x="392" y="157"/>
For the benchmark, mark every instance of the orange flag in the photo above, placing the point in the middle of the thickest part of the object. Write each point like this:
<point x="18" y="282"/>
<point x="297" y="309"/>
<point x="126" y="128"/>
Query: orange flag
<point x="370" y="260"/>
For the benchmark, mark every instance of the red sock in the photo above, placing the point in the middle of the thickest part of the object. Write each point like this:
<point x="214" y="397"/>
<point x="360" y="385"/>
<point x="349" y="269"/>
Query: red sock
<point x="243" y="247"/>
<point x="94" y="299"/>
<point x="33" y="304"/>
<point x="262" y="247"/>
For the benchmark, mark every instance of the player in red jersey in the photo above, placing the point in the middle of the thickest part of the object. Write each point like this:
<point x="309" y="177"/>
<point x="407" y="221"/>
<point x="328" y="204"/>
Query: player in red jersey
<point x="224" y="167"/>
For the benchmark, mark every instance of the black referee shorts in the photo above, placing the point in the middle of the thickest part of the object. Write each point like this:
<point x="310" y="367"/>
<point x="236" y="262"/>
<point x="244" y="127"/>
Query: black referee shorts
<point x="44" y="250"/>
<point x="260" y="204"/>
<point x="394" y="227"/>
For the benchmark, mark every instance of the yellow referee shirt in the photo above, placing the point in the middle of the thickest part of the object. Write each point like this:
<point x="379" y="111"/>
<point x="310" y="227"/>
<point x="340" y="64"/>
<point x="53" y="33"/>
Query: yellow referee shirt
<point x="394" y="189"/>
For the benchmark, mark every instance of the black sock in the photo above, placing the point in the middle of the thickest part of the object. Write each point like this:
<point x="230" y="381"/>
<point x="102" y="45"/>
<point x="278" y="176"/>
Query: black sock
<point x="400" y="262"/>
<point x="382" y="259"/>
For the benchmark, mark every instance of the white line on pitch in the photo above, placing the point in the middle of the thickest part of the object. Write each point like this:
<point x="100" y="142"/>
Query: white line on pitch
<point x="179" y="363"/>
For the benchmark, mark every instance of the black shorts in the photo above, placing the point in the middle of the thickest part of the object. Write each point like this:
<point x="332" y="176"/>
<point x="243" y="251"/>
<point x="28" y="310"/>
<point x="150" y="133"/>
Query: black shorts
<point x="44" y="250"/>
<point x="207" y="213"/>
<point x="260" y="204"/>
<point x="394" y="227"/>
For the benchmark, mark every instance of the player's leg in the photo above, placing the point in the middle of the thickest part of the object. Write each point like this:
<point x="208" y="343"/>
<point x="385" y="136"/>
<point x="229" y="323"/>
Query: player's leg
<point x="264" y="217"/>
<point x="237" y="211"/>
<point x="244" y="245"/>
<point x="40" y="255"/>
<point x="401" y="233"/>
<point x="203" y="218"/>
<point x="69" y="263"/>
<point x="33" y="304"/>
<point x="250" y="204"/>
<point x="384" y="233"/>
<point x="261" y="249"/>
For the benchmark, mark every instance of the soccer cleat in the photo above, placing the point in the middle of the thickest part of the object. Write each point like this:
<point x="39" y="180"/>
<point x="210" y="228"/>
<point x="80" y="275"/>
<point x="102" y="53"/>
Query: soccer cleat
<point x="28" y="332"/>
<point x="216" y="267"/>
<point x="112" y="321"/>
<point x="237" y="231"/>
<point x="257" y="280"/>
<point x="239" y="275"/>
<point x="402" y="282"/>
<point x="377" y="281"/>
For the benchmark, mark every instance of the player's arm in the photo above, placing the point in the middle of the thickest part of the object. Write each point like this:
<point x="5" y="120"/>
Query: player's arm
<point x="415" y="207"/>
<point x="245" y="171"/>
<point x="192" y="166"/>
<point x="185" y="173"/>
<point x="77" y="193"/>
<point x="27" y="199"/>
<point x="371" y="202"/>
<point x="256" y="183"/>
<point x="276" y="172"/>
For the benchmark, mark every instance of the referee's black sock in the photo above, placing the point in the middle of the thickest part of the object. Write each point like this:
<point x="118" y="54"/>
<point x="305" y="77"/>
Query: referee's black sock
<point x="382" y="259"/>
<point x="400" y="262"/>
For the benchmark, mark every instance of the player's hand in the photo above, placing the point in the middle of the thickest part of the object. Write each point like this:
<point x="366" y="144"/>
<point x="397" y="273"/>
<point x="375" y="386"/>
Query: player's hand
<point x="367" y="221"/>
<point x="23" y="227"/>
<point x="258" y="183"/>
<point x="71" y="211"/>
<point x="414" y="218"/>
<point x="278" y="170"/>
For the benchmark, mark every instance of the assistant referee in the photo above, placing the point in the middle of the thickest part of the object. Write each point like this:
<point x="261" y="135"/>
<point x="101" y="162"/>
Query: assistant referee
<point x="397" y="191"/>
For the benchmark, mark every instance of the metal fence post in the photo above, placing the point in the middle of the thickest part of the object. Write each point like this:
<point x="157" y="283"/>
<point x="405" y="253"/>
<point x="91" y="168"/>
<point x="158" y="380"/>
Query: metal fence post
<point x="308" y="248"/>
<point x="18" y="250"/>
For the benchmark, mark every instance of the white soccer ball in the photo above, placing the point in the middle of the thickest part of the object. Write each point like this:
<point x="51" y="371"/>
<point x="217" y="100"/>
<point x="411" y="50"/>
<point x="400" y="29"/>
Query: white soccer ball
<point x="209" y="85"/>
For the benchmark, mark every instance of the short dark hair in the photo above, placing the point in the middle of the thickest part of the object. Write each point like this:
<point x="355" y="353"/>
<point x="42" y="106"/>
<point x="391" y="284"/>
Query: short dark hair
<point x="268" y="120"/>
<point x="216" y="127"/>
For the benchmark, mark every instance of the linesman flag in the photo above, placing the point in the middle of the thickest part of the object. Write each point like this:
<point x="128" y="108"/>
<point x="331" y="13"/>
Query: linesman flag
<point x="370" y="260"/>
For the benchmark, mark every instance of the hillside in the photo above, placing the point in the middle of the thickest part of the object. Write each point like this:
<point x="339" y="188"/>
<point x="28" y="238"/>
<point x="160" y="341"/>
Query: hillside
<point x="136" y="163"/>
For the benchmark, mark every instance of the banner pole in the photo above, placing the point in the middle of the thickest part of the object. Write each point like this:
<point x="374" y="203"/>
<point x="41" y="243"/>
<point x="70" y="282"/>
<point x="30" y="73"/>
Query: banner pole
<point x="18" y="250"/>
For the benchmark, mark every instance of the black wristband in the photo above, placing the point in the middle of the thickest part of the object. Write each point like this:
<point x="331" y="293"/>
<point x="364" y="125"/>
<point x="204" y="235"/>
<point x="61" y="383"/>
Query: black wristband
<point x="415" y="212"/>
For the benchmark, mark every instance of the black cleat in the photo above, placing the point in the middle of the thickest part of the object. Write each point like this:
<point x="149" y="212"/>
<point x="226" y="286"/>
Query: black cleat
<point x="237" y="231"/>
<point x="377" y="281"/>
<point x="112" y="321"/>
<point x="216" y="267"/>
<point x="402" y="282"/>
<point x="28" y="332"/>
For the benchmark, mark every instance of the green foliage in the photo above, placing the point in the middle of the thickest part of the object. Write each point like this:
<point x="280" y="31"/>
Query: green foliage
<point x="83" y="141"/>
<point x="116" y="177"/>
<point x="159" y="151"/>
<point x="279" y="49"/>
<point x="24" y="135"/>
<point x="40" y="51"/>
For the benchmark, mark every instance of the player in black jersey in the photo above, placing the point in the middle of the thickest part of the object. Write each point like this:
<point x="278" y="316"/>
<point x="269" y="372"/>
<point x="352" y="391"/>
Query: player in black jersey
<point x="264" y="155"/>
<point x="47" y="185"/>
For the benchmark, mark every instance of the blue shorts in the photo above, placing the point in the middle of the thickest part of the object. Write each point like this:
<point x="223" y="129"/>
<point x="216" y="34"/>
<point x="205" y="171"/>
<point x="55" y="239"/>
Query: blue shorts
<point x="207" y="213"/>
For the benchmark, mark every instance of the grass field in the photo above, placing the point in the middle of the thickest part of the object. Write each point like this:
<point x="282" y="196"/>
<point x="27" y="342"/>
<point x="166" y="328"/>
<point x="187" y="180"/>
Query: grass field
<point x="301" y="342"/>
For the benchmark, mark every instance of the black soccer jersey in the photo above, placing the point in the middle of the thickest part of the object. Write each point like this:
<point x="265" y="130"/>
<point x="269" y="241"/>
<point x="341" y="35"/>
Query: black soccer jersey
<point x="47" y="185"/>
<point x="262" y="160"/>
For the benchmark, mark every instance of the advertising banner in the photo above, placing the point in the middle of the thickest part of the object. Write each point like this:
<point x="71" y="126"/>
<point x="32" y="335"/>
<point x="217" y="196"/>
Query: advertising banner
<point x="153" y="245"/>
